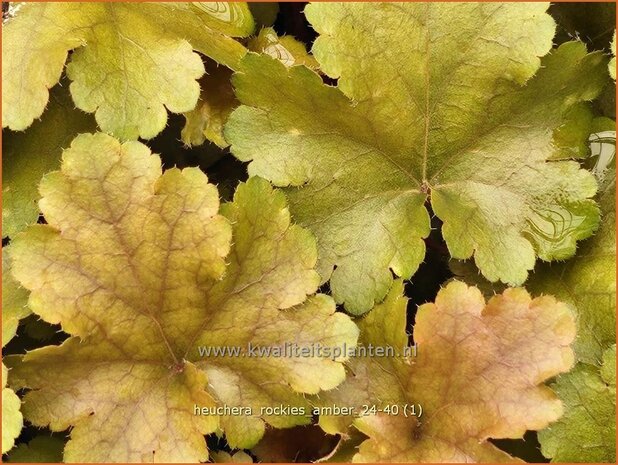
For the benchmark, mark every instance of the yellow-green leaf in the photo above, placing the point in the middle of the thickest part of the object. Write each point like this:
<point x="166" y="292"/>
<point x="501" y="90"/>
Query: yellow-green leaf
<point x="587" y="431"/>
<point x="216" y="102"/>
<point x="571" y="137"/>
<point x="587" y="282"/>
<point x="12" y="420"/>
<point x="130" y="63"/>
<point x="14" y="300"/>
<point x="226" y="457"/>
<point x="217" y="99"/>
<point x="135" y="267"/>
<point x="439" y="102"/>
<point x="27" y="156"/>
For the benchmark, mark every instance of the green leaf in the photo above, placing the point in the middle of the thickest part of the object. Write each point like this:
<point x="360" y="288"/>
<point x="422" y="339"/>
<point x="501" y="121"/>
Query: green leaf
<point x="135" y="267"/>
<point x="130" y="63"/>
<point x="571" y="138"/>
<point x="14" y="308"/>
<point x="462" y="377"/>
<point x="587" y="431"/>
<point x="587" y="282"/>
<point x="14" y="300"/>
<point x="443" y="118"/>
<point x="12" y="420"/>
<point x="27" y="156"/>
<point x="216" y="102"/>
<point x="264" y="13"/>
<point x="41" y="449"/>
<point x="217" y="99"/>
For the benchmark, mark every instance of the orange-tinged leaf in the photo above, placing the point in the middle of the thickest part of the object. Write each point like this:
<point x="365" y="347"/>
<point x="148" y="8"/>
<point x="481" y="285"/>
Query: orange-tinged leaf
<point x="478" y="374"/>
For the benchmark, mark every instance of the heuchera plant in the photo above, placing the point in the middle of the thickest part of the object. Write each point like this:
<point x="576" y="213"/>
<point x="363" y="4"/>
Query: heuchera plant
<point x="369" y="232"/>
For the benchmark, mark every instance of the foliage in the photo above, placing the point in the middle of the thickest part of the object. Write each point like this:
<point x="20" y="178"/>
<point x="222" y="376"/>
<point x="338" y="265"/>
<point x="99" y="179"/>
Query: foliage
<point x="360" y="175"/>
<point x="14" y="308"/>
<point x="139" y="306"/>
<point x="110" y="73"/>
<point x="41" y="449"/>
<point x="587" y="431"/>
<point x="26" y="160"/>
<point x="462" y="377"/>
<point x="324" y="171"/>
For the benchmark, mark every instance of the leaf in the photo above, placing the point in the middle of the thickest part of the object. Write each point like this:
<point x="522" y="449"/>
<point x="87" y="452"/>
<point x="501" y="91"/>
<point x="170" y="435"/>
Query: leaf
<point x="264" y="13"/>
<point x="587" y="431"/>
<point x="216" y="102"/>
<point x="587" y="282"/>
<point x="129" y="63"/>
<point x="135" y="267"/>
<point x="14" y="308"/>
<point x="571" y="138"/>
<point x="226" y="457"/>
<point x="12" y="420"/>
<point x="41" y="449"/>
<point x="478" y="374"/>
<point x="27" y="156"/>
<point x="286" y="49"/>
<point x="217" y="99"/>
<point x="408" y="124"/>
<point x="14" y="300"/>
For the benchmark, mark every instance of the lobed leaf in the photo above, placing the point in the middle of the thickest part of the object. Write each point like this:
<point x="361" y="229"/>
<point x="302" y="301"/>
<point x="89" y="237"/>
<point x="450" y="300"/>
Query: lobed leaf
<point x="587" y="431"/>
<point x="14" y="308"/>
<point x="138" y="268"/>
<point x="27" y="156"/>
<point x="587" y="282"/>
<point x="456" y="116"/>
<point x="130" y="63"/>
<point x="478" y="374"/>
<point x="217" y="99"/>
